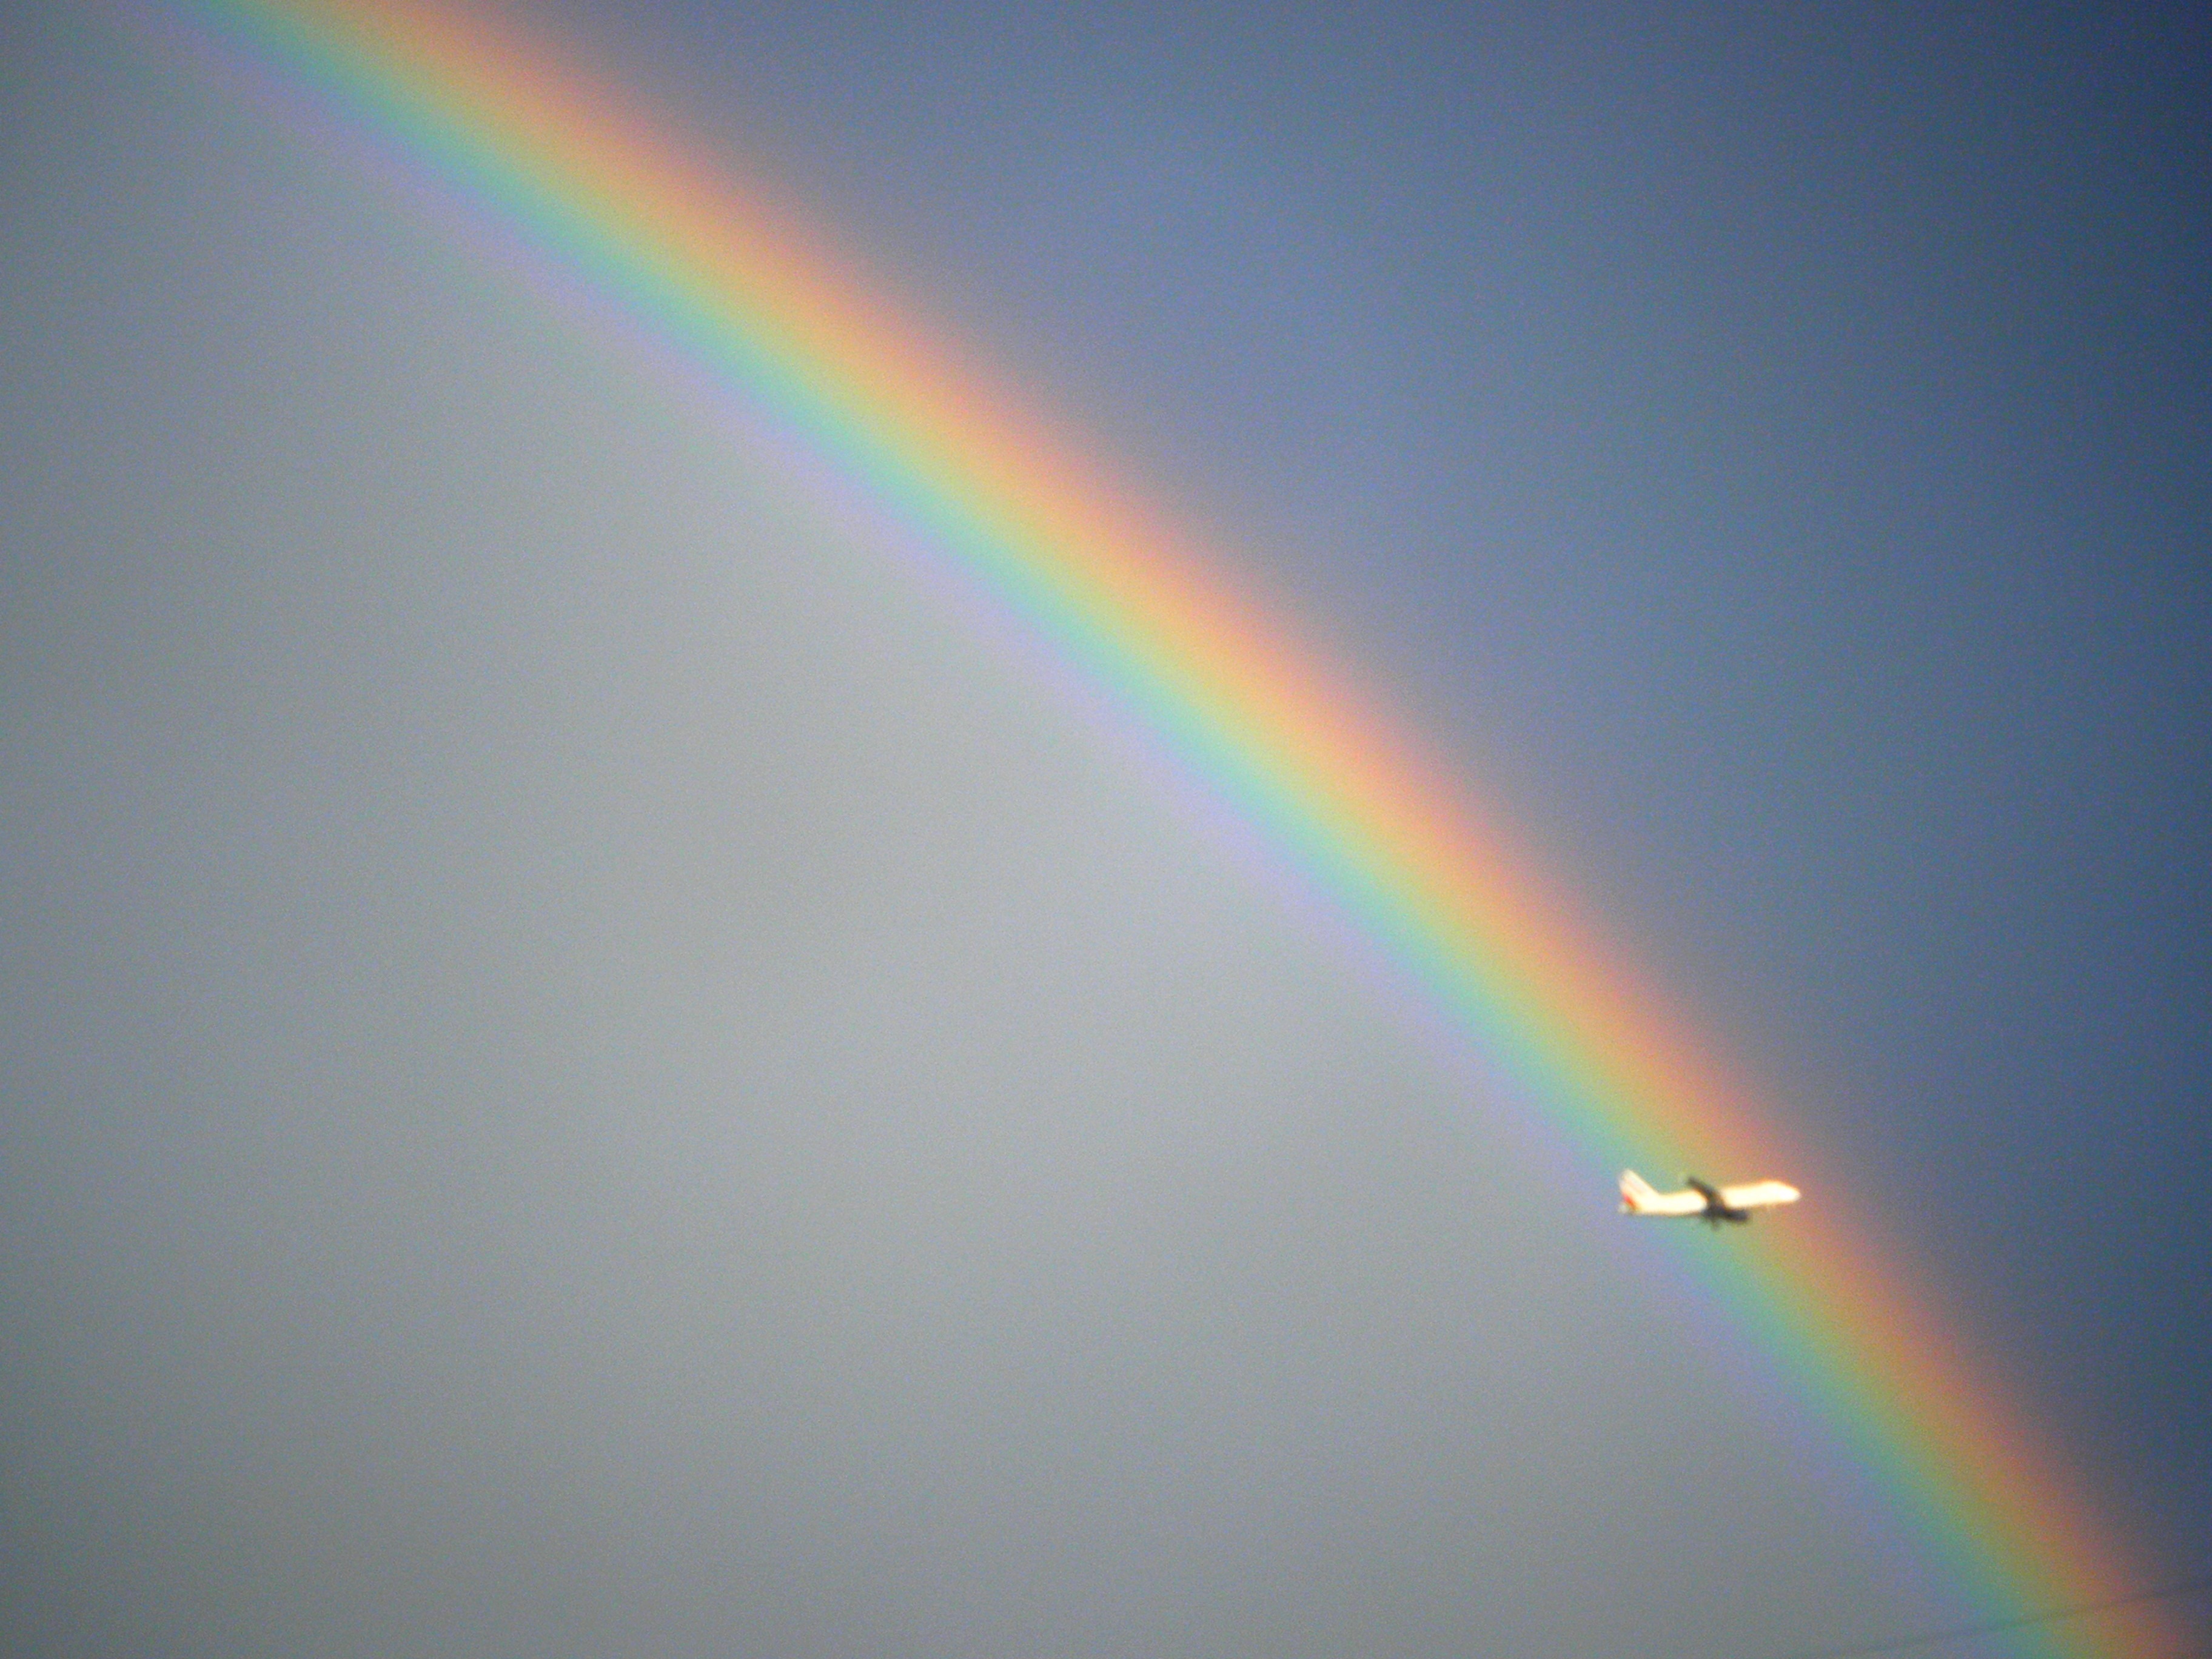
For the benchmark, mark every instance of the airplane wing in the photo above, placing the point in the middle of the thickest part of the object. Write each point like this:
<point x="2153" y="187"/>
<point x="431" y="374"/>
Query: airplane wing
<point x="1758" y="1194"/>
<point x="1638" y="1197"/>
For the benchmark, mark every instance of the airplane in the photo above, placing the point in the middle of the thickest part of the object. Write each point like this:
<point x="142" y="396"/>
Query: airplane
<point x="1708" y="1204"/>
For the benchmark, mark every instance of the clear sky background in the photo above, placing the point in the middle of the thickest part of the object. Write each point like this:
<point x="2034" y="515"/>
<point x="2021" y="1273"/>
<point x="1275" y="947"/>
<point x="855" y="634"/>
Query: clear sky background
<point x="585" y="1068"/>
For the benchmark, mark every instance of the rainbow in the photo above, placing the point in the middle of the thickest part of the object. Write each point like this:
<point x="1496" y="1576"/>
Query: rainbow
<point x="734" y="287"/>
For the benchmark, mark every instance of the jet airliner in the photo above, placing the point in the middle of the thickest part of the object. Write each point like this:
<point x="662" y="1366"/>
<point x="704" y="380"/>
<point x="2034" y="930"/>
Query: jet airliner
<point x="1708" y="1204"/>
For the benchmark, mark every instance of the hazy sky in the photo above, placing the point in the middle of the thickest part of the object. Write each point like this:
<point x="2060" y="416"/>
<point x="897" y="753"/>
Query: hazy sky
<point x="585" y="1068"/>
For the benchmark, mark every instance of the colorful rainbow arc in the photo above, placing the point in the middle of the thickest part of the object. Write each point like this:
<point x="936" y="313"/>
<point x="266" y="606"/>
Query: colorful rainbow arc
<point x="735" y="288"/>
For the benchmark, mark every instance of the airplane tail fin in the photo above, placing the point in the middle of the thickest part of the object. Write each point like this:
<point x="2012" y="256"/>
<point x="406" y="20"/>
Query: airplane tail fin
<point x="1634" y="1192"/>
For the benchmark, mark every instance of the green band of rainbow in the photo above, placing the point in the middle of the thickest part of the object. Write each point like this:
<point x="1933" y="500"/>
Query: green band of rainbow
<point x="704" y="261"/>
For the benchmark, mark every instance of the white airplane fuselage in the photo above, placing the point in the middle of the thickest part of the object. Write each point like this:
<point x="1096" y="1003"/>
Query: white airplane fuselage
<point x="1699" y="1200"/>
